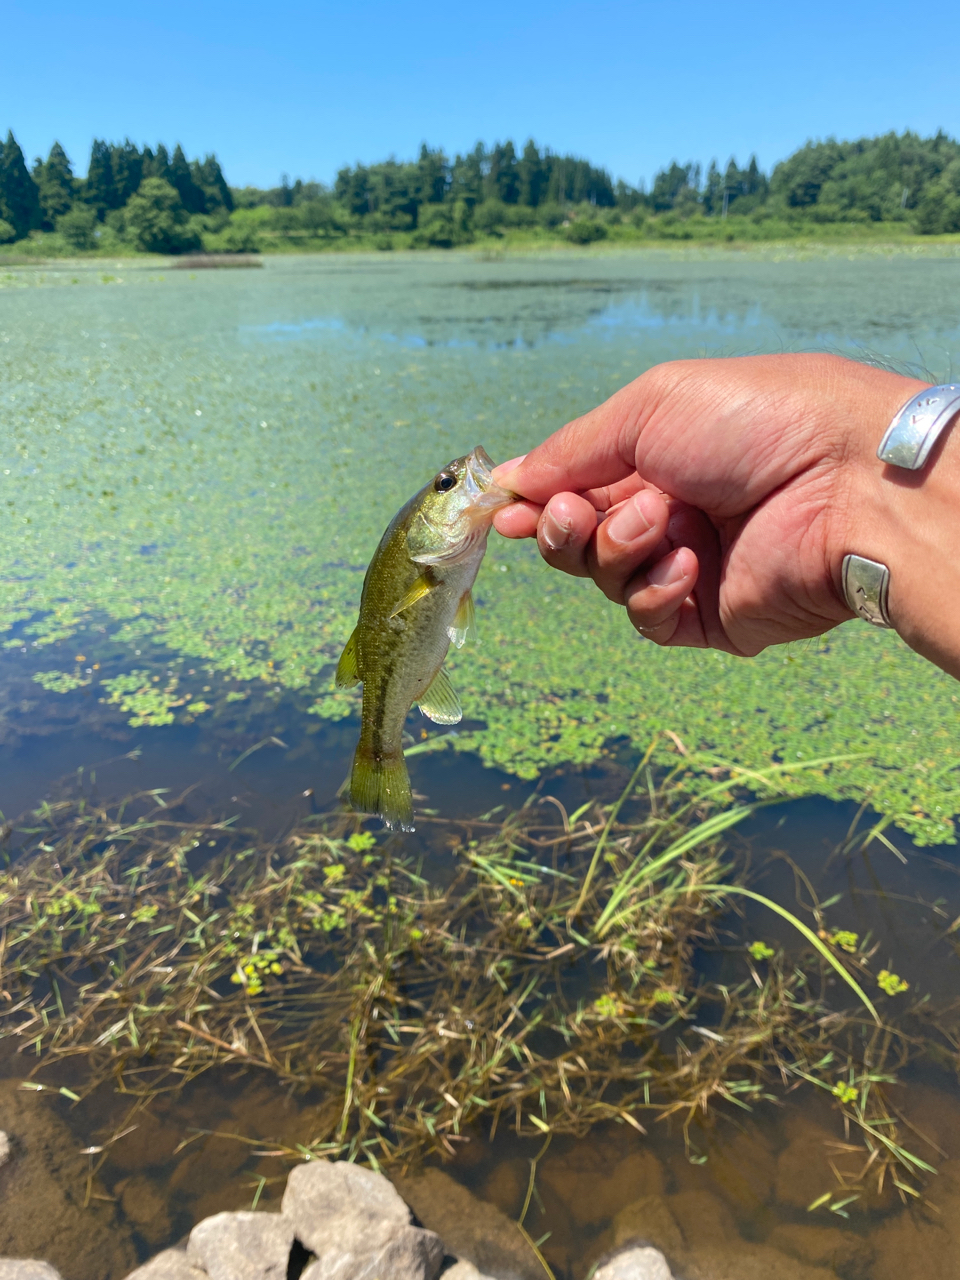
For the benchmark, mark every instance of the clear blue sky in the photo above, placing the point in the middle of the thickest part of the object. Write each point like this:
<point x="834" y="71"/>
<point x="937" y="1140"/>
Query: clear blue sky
<point x="304" y="88"/>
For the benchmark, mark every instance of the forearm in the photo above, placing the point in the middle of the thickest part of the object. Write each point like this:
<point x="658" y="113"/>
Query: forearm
<point x="910" y="521"/>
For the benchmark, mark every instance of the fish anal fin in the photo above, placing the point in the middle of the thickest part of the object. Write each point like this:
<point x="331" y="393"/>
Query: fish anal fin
<point x="439" y="702"/>
<point x="419" y="589"/>
<point x="464" y="625"/>
<point x="348" y="668"/>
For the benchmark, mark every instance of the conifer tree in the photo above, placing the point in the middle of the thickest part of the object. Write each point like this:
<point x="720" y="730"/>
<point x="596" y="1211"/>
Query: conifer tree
<point x="127" y="163"/>
<point x="214" y="185"/>
<point x="56" y="185"/>
<point x="19" y="198"/>
<point x="100" y="190"/>
<point x="182" y="180"/>
<point x="532" y="176"/>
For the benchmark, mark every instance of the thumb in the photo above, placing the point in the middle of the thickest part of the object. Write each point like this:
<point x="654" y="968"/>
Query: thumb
<point x="590" y="452"/>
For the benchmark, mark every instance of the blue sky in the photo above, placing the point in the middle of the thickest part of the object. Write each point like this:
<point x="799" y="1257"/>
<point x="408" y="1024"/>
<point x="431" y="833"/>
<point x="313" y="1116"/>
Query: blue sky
<point x="306" y="88"/>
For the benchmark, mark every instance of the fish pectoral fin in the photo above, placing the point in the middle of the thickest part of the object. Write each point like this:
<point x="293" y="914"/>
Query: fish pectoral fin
<point x="419" y="589"/>
<point x="440" y="702"/>
<point x="348" y="668"/>
<point x="464" y="622"/>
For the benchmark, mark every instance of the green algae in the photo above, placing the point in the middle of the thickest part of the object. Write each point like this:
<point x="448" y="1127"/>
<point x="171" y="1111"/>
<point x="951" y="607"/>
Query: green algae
<point x="207" y="463"/>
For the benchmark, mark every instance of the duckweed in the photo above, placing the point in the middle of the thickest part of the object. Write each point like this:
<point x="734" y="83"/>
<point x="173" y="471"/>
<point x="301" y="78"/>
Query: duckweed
<point x="203" y="466"/>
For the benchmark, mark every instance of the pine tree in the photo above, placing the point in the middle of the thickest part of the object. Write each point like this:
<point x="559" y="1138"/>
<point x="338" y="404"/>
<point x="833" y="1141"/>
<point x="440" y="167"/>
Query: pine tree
<point x="127" y="164"/>
<point x="156" y="164"/>
<point x="100" y="190"/>
<point x="215" y="189"/>
<point x="502" y="182"/>
<point x="56" y="185"/>
<point x="182" y="180"/>
<point x="19" y="197"/>
<point x="532" y="175"/>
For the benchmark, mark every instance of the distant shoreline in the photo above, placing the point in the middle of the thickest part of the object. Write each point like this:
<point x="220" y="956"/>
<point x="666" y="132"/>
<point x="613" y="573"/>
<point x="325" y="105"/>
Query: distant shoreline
<point x="514" y="245"/>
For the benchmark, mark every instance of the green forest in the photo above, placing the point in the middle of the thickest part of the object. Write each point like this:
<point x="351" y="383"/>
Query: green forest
<point x="151" y="201"/>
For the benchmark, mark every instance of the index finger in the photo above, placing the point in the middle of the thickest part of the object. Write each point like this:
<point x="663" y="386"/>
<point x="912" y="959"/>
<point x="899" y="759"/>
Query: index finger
<point x="591" y="452"/>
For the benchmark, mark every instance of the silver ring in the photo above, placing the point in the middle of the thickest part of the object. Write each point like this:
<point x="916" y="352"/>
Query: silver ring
<point x="917" y="427"/>
<point x="866" y="586"/>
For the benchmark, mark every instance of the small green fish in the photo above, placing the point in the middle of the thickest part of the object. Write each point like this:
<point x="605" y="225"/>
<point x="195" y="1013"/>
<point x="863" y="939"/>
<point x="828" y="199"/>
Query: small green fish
<point x="416" y="600"/>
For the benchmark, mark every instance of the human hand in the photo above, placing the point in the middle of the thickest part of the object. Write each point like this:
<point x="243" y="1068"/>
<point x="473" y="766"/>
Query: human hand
<point x="715" y="499"/>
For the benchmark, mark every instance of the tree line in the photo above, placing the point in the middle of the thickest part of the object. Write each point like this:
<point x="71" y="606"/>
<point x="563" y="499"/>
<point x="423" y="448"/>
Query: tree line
<point x="150" y="199"/>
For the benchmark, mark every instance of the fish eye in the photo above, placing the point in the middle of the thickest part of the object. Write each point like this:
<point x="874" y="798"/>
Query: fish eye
<point x="444" y="482"/>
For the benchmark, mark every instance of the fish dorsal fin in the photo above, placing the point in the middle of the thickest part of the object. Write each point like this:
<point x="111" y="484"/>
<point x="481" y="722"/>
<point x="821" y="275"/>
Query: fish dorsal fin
<point x="419" y="589"/>
<point x="440" y="702"/>
<point x="464" y="623"/>
<point x="348" y="668"/>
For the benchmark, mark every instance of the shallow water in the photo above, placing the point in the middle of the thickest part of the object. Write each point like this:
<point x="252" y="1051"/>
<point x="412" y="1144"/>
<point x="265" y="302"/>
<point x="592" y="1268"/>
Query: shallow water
<point x="194" y="471"/>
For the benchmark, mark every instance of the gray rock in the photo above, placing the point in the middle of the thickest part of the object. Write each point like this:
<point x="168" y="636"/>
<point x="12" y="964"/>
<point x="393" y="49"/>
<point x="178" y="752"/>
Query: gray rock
<point x="411" y="1254"/>
<point x="242" y="1246"/>
<point x="172" y="1264"/>
<point x="636" y="1264"/>
<point x="26" y="1269"/>
<point x="4" y="1148"/>
<point x="472" y="1230"/>
<point x="357" y="1225"/>
<point x="464" y="1270"/>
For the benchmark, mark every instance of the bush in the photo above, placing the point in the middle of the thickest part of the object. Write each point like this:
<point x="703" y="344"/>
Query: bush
<point x="156" y="220"/>
<point x="7" y="232"/>
<point x="78" y="227"/>
<point x="585" y="231"/>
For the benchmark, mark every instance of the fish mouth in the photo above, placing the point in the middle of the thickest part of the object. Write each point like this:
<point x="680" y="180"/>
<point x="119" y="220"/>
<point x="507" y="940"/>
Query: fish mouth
<point x="487" y="496"/>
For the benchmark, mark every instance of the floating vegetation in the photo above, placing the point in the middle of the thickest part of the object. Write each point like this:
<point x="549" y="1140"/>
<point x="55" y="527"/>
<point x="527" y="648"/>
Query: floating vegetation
<point x="536" y="971"/>
<point x="187" y="462"/>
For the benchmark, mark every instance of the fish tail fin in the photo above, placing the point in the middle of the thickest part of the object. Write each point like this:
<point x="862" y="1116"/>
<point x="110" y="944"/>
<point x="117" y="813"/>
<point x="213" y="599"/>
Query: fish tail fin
<point x="382" y="787"/>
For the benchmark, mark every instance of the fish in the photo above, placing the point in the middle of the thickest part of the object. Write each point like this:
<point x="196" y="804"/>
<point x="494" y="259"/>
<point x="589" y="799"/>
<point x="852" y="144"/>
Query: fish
<point x="416" y="602"/>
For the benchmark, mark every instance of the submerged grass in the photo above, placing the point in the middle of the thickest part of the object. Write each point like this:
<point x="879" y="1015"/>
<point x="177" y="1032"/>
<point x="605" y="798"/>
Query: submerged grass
<point x="529" y="971"/>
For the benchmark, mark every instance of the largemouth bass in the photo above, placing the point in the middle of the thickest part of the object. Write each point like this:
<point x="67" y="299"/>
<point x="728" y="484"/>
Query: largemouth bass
<point x="416" y="601"/>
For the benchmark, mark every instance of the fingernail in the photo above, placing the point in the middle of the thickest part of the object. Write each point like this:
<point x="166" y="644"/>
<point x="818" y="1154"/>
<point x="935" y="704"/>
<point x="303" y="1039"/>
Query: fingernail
<point x="555" y="534"/>
<point x="632" y="519"/>
<point x="667" y="571"/>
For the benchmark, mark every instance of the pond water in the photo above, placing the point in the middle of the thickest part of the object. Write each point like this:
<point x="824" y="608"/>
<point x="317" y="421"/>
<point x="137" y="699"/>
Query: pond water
<point x="194" y="470"/>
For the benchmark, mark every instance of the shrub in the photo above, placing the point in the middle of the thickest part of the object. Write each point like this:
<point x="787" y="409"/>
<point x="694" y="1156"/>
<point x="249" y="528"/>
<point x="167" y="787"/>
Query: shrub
<point x="585" y="231"/>
<point x="78" y="227"/>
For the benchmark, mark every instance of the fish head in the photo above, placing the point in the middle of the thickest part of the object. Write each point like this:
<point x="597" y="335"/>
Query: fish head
<point x="452" y="514"/>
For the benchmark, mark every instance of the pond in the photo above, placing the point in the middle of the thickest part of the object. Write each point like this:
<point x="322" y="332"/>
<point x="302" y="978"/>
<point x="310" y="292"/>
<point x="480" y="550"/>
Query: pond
<point x="194" y="469"/>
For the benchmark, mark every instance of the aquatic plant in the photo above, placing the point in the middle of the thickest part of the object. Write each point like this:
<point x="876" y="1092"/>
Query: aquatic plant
<point x="535" y="970"/>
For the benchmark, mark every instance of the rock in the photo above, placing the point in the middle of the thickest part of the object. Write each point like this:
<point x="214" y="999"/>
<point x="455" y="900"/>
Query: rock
<point x="172" y="1264"/>
<point x="150" y="1144"/>
<point x="357" y="1225"/>
<point x="471" y="1229"/>
<point x="145" y="1207"/>
<point x="45" y="1178"/>
<point x="804" y="1172"/>
<point x="826" y="1246"/>
<point x="4" y="1149"/>
<point x="463" y="1270"/>
<point x="635" y="1264"/>
<point x="242" y="1246"/>
<point x="648" y="1221"/>
<point x="703" y="1219"/>
<point x="411" y="1254"/>
<point x="594" y="1196"/>
<point x="27" y="1269"/>
<point x="745" y="1261"/>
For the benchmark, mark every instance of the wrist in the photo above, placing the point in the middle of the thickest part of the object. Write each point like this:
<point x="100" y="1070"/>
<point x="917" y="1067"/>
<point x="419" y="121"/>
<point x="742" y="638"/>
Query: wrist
<point x="908" y="521"/>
